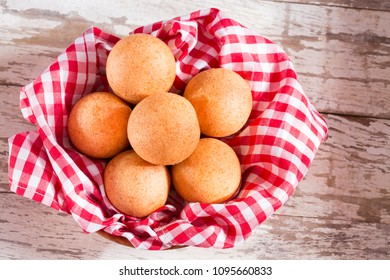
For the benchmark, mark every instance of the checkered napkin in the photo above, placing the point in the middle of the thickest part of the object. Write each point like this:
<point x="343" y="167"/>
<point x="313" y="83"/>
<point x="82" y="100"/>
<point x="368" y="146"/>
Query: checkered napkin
<point x="275" y="147"/>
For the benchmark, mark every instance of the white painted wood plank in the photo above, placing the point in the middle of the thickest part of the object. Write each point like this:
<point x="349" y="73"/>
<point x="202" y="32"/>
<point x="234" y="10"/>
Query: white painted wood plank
<point x="341" y="51"/>
<point x="21" y="64"/>
<point x="29" y="230"/>
<point x="349" y="177"/>
<point x="11" y="118"/>
<point x="3" y="165"/>
<point x="253" y="13"/>
<point x="341" y="55"/>
<point x="355" y="4"/>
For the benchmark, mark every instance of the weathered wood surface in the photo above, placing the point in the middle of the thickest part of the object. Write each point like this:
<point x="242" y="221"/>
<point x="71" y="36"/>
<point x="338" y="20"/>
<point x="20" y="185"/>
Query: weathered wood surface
<point x="55" y="236"/>
<point x="349" y="177"/>
<point x="341" y="51"/>
<point x="359" y="4"/>
<point x="341" y="55"/>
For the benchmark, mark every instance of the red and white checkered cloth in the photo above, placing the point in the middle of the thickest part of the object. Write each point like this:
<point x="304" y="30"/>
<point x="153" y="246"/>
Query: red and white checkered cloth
<point x="275" y="147"/>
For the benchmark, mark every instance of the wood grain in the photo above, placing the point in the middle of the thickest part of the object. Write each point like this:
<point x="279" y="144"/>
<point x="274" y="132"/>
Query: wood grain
<point x="341" y="52"/>
<point x="3" y="165"/>
<point x="341" y="55"/>
<point x="11" y="118"/>
<point x="349" y="177"/>
<point x="56" y="236"/>
<point x="357" y="4"/>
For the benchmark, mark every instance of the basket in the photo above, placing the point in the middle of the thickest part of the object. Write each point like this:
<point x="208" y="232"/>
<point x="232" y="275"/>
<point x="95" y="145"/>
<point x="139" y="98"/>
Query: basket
<point x="275" y="147"/>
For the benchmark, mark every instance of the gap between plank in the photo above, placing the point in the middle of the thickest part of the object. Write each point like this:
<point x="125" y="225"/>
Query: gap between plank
<point x="329" y="5"/>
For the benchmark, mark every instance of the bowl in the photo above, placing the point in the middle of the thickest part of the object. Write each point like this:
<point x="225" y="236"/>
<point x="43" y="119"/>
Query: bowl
<point x="275" y="147"/>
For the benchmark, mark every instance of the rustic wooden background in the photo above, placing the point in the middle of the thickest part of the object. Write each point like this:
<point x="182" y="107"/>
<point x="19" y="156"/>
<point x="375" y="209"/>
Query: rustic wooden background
<point x="341" y="51"/>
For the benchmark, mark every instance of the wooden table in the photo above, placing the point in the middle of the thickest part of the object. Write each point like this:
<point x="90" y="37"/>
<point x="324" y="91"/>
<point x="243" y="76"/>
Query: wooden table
<point x="341" y="51"/>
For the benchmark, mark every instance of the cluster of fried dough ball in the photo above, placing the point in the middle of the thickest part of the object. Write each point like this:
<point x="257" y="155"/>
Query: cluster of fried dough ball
<point x="152" y="137"/>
